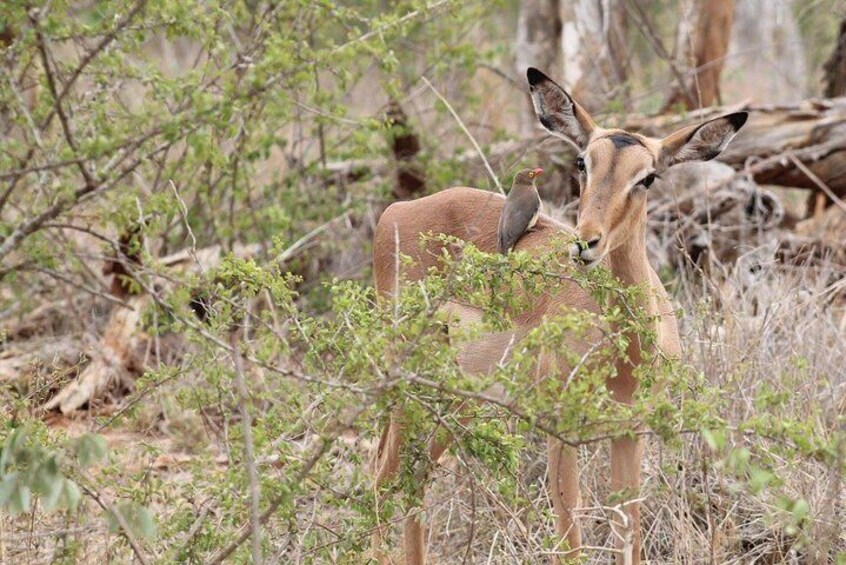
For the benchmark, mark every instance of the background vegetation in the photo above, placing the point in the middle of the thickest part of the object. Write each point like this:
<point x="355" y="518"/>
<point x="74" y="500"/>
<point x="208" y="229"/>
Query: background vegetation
<point x="193" y="364"/>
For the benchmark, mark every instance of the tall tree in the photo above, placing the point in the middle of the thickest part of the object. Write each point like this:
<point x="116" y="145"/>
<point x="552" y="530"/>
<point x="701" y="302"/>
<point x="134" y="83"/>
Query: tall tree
<point x="835" y="67"/>
<point x="593" y="41"/>
<point x="583" y="41"/>
<point x="538" y="35"/>
<point x="538" y="45"/>
<point x="703" y="41"/>
<point x="766" y="60"/>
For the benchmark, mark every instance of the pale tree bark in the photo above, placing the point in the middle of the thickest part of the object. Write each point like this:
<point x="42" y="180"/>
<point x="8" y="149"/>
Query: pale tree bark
<point x="538" y="45"/>
<point x="593" y="42"/>
<point x="703" y="41"/>
<point x="766" y="61"/>
<point x="538" y="36"/>
<point x="582" y="43"/>
<point x="835" y="67"/>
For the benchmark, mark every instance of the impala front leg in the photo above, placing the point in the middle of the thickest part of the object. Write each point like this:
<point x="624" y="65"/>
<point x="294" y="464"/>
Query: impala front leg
<point x="626" y="456"/>
<point x="563" y="470"/>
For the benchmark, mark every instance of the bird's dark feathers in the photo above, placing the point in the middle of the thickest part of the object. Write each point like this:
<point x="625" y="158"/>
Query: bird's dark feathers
<point x="521" y="206"/>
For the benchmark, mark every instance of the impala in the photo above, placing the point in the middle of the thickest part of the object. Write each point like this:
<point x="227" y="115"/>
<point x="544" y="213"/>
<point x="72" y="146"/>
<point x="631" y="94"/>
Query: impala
<point x="616" y="170"/>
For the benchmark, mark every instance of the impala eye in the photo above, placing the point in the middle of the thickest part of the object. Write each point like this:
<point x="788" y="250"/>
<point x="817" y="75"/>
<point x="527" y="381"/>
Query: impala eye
<point x="580" y="164"/>
<point x="648" y="180"/>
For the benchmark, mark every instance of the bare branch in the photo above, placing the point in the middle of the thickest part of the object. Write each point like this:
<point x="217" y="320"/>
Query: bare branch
<point x="466" y="132"/>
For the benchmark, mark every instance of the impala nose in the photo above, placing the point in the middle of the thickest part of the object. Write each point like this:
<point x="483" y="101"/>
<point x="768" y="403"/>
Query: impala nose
<point x="587" y="250"/>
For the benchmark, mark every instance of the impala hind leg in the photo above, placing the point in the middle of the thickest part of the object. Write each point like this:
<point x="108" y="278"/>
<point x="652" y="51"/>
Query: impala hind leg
<point x="413" y="531"/>
<point x="385" y="466"/>
<point x="563" y="470"/>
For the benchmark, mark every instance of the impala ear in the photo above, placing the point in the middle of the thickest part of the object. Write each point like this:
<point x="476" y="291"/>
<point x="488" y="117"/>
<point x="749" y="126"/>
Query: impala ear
<point x="701" y="142"/>
<point x="557" y="111"/>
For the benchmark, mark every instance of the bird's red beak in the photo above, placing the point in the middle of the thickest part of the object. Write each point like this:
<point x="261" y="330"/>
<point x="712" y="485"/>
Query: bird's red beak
<point x="538" y="172"/>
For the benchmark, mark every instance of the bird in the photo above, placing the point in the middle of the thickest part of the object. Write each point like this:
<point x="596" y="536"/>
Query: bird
<point x="522" y="206"/>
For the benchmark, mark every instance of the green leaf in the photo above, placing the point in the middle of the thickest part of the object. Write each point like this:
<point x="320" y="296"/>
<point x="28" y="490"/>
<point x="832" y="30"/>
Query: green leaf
<point x="138" y="518"/>
<point x="19" y="499"/>
<point x="52" y="497"/>
<point x="716" y="439"/>
<point x="11" y="447"/>
<point x="146" y="523"/>
<point x="44" y="475"/>
<point x="801" y="509"/>
<point x="759" y="479"/>
<point x="70" y="494"/>
<point x="90" y="448"/>
<point x="47" y="482"/>
<point x="7" y="486"/>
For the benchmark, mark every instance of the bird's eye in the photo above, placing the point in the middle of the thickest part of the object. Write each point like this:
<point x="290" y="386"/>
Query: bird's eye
<point x="648" y="180"/>
<point x="531" y="175"/>
<point x="580" y="164"/>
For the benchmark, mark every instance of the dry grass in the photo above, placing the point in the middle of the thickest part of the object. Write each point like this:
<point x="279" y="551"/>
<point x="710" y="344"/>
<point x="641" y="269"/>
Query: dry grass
<point x="775" y="329"/>
<point x="751" y="325"/>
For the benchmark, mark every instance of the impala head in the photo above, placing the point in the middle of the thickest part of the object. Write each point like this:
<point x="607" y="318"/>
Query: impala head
<point x="617" y="167"/>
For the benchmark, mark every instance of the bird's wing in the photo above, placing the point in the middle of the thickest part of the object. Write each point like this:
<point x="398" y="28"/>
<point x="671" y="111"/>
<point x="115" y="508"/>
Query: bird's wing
<point x="513" y="223"/>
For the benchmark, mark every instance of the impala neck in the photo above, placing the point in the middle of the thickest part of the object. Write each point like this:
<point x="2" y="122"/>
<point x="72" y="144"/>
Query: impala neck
<point x="630" y="265"/>
<point x="629" y="262"/>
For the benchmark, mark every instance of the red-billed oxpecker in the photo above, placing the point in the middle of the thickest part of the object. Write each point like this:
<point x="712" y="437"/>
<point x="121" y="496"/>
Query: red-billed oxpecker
<point x="522" y="206"/>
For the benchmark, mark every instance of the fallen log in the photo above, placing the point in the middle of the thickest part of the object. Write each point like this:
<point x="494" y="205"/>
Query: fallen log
<point x="813" y="131"/>
<point x="113" y="357"/>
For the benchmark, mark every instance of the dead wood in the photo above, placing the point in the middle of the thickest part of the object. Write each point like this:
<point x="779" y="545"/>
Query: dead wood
<point x="813" y="131"/>
<point x="113" y="357"/>
<point x="21" y="362"/>
<point x="405" y="145"/>
<point x="110" y="359"/>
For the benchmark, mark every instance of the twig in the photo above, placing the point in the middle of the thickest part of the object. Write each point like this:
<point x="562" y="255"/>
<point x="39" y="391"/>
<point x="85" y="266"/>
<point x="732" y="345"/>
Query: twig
<point x="466" y="132"/>
<point x="642" y="22"/>
<point x="319" y="447"/>
<point x="61" y="205"/>
<point x="247" y="424"/>
<point x="183" y="210"/>
<point x="57" y="104"/>
<point x="81" y="286"/>
<point x="124" y="526"/>
<point x="816" y="180"/>
<point x="435" y="385"/>
<point x="385" y="26"/>
<point x="297" y="245"/>
<point x="86" y="60"/>
<point x="195" y="527"/>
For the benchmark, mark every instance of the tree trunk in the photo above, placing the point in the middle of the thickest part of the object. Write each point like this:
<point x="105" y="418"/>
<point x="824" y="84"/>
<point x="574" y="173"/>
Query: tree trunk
<point x="593" y="40"/>
<point x="835" y="67"/>
<point x="410" y="178"/>
<point x="538" y="45"/>
<point x="703" y="39"/>
<point x="766" y="60"/>
<point x="586" y="39"/>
